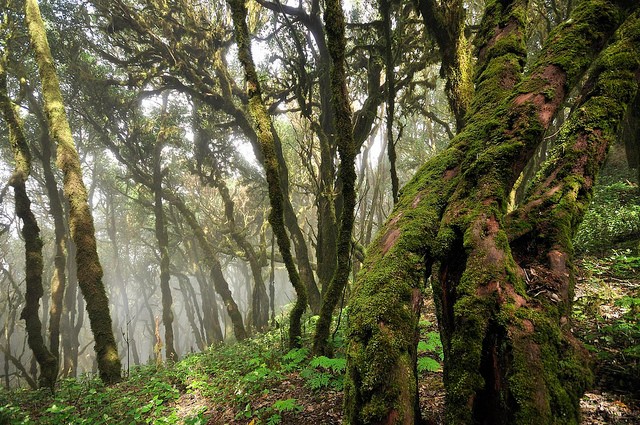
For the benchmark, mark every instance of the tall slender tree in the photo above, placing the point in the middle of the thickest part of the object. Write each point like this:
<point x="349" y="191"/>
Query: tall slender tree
<point x="263" y="126"/>
<point x="31" y="233"/>
<point x="161" y="233"/>
<point x="336" y="41"/>
<point x="80" y="217"/>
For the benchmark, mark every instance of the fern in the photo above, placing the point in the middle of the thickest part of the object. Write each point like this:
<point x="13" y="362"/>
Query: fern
<point x="427" y="364"/>
<point x="315" y="379"/>
<point x="334" y="365"/>
<point x="294" y="358"/>
<point x="288" y="405"/>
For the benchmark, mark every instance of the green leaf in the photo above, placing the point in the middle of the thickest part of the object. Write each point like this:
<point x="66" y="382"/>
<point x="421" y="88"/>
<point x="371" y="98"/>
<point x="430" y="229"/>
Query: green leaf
<point x="427" y="364"/>
<point x="288" y="405"/>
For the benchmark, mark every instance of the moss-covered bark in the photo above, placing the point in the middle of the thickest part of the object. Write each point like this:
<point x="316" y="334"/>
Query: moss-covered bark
<point x="262" y="123"/>
<point x="390" y="78"/>
<point x="59" y="278"/>
<point x="80" y="220"/>
<point x="541" y="230"/>
<point x="335" y="30"/>
<point x="504" y="362"/>
<point x="31" y="233"/>
<point x="445" y="21"/>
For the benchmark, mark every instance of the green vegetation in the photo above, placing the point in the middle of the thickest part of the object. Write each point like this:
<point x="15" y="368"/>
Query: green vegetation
<point x="246" y="376"/>
<point x="608" y="317"/>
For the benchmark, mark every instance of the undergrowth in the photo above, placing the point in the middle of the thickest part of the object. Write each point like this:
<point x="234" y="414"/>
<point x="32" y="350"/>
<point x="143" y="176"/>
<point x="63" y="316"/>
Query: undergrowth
<point x="236" y="374"/>
<point x="608" y="316"/>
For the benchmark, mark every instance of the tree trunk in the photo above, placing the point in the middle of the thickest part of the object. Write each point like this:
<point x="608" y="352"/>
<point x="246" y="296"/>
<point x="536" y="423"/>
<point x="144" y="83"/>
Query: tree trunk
<point x="219" y="282"/>
<point x="211" y="323"/>
<point x="31" y="233"/>
<point x="81" y="220"/>
<point x="56" y="209"/>
<point x="509" y="356"/>
<point x="162" y="237"/>
<point x="446" y="22"/>
<point x="387" y="31"/>
<point x="190" y="307"/>
<point x="336" y="41"/>
<point x="265" y="136"/>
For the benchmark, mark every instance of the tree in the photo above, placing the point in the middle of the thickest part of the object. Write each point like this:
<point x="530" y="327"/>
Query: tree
<point x="502" y="281"/>
<point x="161" y="232"/>
<point x="263" y="126"/>
<point x="31" y="233"/>
<point x="80" y="219"/>
<point x="336" y="41"/>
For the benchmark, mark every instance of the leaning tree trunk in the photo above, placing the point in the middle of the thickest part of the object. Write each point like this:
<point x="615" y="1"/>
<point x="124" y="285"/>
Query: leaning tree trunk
<point x="80" y="220"/>
<point x="509" y="356"/>
<point x="262" y="122"/>
<point x="260" y="299"/>
<point x="31" y="233"/>
<point x="446" y="23"/>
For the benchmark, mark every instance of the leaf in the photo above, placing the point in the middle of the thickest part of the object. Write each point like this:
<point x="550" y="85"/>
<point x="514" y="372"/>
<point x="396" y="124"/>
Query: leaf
<point x="288" y="405"/>
<point x="427" y="364"/>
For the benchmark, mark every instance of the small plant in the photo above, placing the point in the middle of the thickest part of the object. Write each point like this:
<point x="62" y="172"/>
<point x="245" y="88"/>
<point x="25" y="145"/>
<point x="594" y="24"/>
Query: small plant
<point x="427" y="349"/>
<point x="10" y="414"/>
<point x="294" y="358"/>
<point x="288" y="405"/>
<point x="324" y="372"/>
<point x="245" y="413"/>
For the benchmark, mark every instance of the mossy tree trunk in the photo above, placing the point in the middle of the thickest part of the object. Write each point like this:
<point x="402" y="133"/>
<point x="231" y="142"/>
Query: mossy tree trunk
<point x="59" y="278"/>
<point x="502" y="283"/>
<point x="262" y="123"/>
<point x="31" y="233"/>
<point x="336" y="42"/>
<point x="445" y="21"/>
<point x="80" y="219"/>
<point x="162" y="235"/>
<point x="389" y="59"/>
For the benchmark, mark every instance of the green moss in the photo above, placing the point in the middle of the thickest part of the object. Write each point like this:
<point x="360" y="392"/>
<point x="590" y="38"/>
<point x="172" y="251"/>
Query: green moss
<point x="80" y="219"/>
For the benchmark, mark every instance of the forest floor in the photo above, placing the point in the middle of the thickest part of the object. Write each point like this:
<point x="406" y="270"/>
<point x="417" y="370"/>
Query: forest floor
<point x="259" y="382"/>
<point x="599" y="323"/>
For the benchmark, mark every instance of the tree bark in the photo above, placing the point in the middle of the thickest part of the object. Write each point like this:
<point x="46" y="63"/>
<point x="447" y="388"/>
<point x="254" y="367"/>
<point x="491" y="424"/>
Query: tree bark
<point x="31" y="233"/>
<point x="263" y="127"/>
<point x="81" y="220"/>
<point x="445" y="21"/>
<point x="162" y="237"/>
<point x="507" y="360"/>
<point x="336" y="41"/>
<point x="387" y="31"/>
